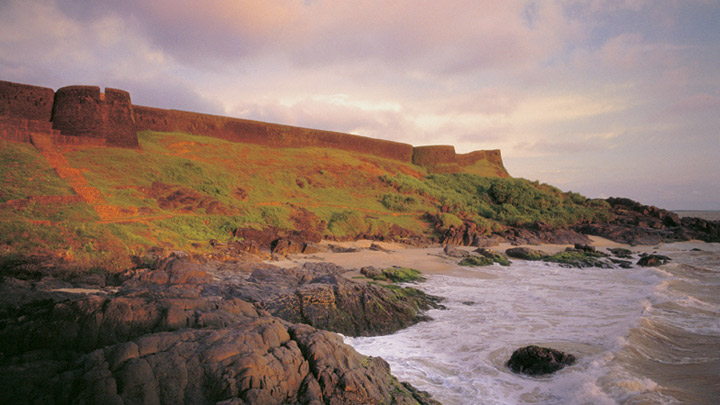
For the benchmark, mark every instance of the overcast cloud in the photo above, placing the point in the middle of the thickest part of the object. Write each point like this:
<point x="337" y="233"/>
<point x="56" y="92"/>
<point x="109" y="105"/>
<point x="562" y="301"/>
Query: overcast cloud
<point x="608" y="98"/>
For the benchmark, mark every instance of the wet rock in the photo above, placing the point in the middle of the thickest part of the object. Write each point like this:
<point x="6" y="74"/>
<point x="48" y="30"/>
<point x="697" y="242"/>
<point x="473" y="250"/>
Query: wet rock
<point x="653" y="260"/>
<point x="476" y="261"/>
<point x="525" y="253"/>
<point x="258" y="360"/>
<point x="535" y="360"/>
<point x="182" y="334"/>
<point x="585" y="247"/>
<point x="637" y="224"/>
<point x="454" y="251"/>
<point x="371" y="272"/>
<point x="621" y="252"/>
<point x="625" y="264"/>
<point x="317" y="295"/>
<point x="493" y="255"/>
<point x="580" y="259"/>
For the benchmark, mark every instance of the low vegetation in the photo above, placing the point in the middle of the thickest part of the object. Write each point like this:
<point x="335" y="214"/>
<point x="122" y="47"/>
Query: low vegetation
<point x="180" y="191"/>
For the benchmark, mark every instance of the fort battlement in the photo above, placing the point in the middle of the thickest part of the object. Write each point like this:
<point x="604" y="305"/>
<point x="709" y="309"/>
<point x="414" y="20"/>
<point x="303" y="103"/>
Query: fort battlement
<point x="85" y="114"/>
<point x="84" y="111"/>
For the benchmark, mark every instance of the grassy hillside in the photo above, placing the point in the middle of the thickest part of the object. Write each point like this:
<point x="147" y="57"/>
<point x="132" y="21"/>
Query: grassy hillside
<point x="180" y="190"/>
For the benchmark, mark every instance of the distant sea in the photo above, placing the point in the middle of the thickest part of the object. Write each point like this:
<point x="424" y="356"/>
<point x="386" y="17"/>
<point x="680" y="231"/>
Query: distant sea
<point x="709" y="215"/>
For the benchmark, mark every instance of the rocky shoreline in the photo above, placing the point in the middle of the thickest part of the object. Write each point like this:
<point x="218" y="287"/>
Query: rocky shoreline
<point x="630" y="223"/>
<point x="227" y="327"/>
<point x="193" y="332"/>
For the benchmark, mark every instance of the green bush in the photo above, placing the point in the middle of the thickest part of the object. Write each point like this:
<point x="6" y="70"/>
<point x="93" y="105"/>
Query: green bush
<point x="398" y="202"/>
<point x="447" y="220"/>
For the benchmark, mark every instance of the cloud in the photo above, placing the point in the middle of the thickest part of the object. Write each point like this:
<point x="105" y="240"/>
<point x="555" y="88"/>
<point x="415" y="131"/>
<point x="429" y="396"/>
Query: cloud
<point x="459" y="36"/>
<point x="695" y="103"/>
<point x="331" y="112"/>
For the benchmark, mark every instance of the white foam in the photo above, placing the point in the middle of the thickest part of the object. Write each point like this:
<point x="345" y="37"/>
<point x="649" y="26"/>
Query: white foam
<point x="460" y="356"/>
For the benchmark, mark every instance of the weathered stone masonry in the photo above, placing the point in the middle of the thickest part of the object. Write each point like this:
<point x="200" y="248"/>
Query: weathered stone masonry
<point x="84" y="115"/>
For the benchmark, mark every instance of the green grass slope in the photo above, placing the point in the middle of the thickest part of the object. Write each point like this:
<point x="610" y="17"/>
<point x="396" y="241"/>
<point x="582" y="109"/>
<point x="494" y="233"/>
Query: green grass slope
<point x="180" y="191"/>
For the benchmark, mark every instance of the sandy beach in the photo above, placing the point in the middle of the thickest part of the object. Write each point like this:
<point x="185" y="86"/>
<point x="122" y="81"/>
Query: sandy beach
<point x="429" y="260"/>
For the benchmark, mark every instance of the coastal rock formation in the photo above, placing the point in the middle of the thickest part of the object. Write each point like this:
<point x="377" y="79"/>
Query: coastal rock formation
<point x="535" y="360"/>
<point x="180" y="332"/>
<point x="525" y="253"/>
<point x="638" y="224"/>
<point x="653" y="260"/>
<point x="317" y="294"/>
<point x="469" y="234"/>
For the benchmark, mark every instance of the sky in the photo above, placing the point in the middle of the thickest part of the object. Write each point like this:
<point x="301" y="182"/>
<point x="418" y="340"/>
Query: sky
<point x="602" y="97"/>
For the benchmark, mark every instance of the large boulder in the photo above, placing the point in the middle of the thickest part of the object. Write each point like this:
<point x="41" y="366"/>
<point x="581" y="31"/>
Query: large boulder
<point x="454" y="251"/>
<point x="536" y="360"/>
<point x="653" y="260"/>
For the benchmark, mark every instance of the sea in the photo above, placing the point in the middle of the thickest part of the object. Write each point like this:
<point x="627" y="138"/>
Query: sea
<point x="641" y="335"/>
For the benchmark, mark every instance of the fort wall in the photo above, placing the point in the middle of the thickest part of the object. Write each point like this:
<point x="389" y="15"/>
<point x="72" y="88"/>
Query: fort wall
<point x="84" y="111"/>
<point x="262" y="133"/>
<point x="443" y="159"/>
<point x="83" y="115"/>
<point x="25" y="101"/>
<point x="434" y="155"/>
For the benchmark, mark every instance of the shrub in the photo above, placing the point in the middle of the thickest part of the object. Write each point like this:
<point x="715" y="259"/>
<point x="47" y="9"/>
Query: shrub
<point x="398" y="202"/>
<point x="447" y="220"/>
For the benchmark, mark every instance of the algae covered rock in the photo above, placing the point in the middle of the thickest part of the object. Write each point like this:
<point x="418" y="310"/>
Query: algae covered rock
<point x="476" y="261"/>
<point x="496" y="256"/>
<point x="525" y="253"/>
<point x="580" y="259"/>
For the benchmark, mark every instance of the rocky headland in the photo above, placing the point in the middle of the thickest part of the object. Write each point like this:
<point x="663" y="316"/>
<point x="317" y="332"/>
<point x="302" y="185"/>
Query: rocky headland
<point x="97" y="193"/>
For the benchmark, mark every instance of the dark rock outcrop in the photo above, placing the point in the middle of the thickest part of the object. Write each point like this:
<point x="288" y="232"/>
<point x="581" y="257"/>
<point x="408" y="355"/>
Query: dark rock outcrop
<point x="493" y="255"/>
<point x="188" y="332"/>
<point x="653" y="260"/>
<point x="536" y="360"/>
<point x="637" y="224"/>
<point x="621" y="252"/>
<point x="576" y="258"/>
<point x="317" y="294"/>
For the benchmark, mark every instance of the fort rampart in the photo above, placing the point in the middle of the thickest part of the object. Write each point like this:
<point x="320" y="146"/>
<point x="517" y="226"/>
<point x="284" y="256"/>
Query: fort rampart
<point x="90" y="116"/>
<point x="273" y="135"/>
<point x="24" y="101"/>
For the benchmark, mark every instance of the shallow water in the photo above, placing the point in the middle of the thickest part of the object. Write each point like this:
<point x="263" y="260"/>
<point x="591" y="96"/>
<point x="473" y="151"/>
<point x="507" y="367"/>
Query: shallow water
<point x="641" y="335"/>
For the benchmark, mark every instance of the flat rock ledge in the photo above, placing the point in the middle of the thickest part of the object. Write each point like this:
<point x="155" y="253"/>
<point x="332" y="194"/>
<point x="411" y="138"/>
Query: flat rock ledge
<point x="186" y="332"/>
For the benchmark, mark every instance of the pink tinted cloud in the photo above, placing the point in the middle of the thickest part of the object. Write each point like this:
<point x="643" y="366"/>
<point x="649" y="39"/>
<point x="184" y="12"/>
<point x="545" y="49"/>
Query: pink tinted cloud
<point x="311" y="113"/>
<point x="696" y="103"/>
<point x="438" y="36"/>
